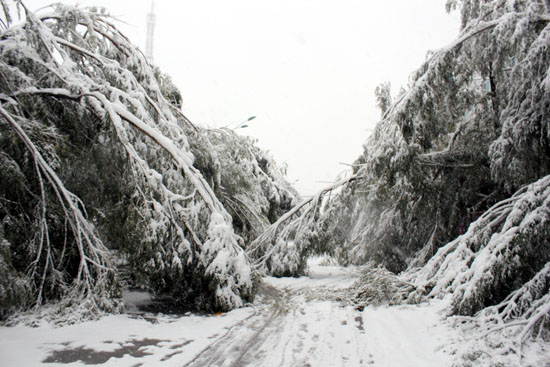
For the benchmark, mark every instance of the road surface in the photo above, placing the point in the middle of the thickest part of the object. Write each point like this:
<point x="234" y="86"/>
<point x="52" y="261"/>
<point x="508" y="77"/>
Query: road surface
<point x="299" y="322"/>
<point x="295" y="322"/>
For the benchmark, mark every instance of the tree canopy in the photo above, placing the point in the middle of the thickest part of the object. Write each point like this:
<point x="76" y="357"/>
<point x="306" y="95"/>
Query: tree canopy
<point x="103" y="178"/>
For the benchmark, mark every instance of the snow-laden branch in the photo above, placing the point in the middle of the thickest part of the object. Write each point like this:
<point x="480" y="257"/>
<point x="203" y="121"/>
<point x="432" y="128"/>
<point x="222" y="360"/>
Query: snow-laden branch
<point x="118" y="112"/>
<point x="94" y="269"/>
<point x="433" y="65"/>
<point x="282" y="248"/>
<point x="78" y="61"/>
<point x="492" y="255"/>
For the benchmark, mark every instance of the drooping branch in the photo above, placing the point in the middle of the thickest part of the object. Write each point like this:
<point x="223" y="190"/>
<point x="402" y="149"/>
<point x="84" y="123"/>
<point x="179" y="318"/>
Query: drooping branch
<point x="93" y="253"/>
<point x="279" y="249"/>
<point x="87" y="69"/>
<point x="494" y="247"/>
<point x="446" y="158"/>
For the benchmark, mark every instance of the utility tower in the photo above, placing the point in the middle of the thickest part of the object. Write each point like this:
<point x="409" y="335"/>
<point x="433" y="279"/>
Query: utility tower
<point x="150" y="33"/>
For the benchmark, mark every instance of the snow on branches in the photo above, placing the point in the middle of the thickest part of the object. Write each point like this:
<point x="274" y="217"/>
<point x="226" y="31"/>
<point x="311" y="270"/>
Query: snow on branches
<point x="246" y="179"/>
<point x="71" y="72"/>
<point x="500" y="266"/>
<point x="470" y="130"/>
<point x="283" y="248"/>
<point x="377" y="286"/>
<point x="94" y="280"/>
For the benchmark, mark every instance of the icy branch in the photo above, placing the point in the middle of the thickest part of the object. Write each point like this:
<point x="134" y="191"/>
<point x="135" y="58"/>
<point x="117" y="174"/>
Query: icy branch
<point x="280" y="248"/>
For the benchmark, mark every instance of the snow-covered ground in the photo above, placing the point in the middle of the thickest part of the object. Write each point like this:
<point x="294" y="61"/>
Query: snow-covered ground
<point x="117" y="340"/>
<point x="294" y="322"/>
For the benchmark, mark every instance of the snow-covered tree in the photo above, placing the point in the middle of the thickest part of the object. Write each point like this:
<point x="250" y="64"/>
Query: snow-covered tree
<point x="471" y="129"/>
<point x="502" y="250"/>
<point x="246" y="179"/>
<point x="453" y="184"/>
<point x="98" y="159"/>
<point x="499" y="270"/>
<point x="284" y="247"/>
<point x="456" y="173"/>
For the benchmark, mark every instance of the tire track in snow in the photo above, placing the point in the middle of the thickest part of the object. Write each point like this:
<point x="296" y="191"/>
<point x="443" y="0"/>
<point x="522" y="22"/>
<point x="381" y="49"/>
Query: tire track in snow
<point x="294" y="326"/>
<point x="231" y="349"/>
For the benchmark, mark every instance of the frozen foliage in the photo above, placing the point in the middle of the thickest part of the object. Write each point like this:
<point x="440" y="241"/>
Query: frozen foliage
<point x="471" y="129"/>
<point x="377" y="286"/>
<point x="87" y="122"/>
<point x="434" y="163"/>
<point x="284" y="247"/>
<point x="454" y="182"/>
<point x="245" y="178"/>
<point x="499" y="271"/>
<point x="502" y="250"/>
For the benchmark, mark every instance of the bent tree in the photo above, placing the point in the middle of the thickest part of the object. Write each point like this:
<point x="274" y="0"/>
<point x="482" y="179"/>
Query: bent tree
<point x="95" y="158"/>
<point x="469" y="131"/>
<point x="456" y="176"/>
<point x="454" y="180"/>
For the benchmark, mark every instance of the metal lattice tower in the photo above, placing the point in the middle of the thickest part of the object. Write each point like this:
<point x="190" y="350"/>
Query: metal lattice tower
<point x="150" y="33"/>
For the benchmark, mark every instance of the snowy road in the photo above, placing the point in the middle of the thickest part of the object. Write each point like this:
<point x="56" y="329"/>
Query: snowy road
<point x="294" y="322"/>
<point x="299" y="325"/>
<point x="293" y="326"/>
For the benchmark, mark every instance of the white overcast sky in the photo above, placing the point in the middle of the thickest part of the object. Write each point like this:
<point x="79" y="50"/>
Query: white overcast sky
<point x="306" y="68"/>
